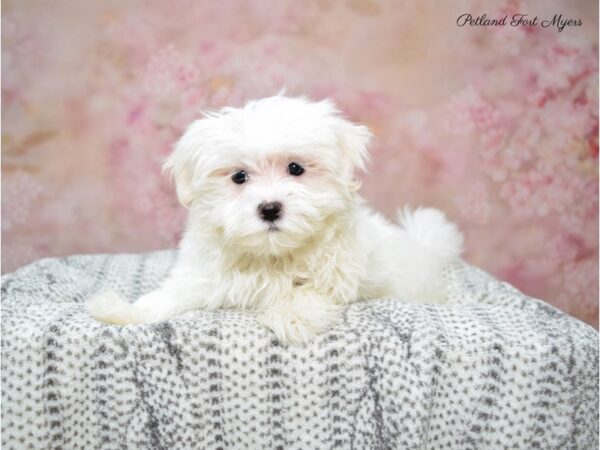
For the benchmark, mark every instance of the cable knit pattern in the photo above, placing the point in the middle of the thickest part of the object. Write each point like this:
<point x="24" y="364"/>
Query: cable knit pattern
<point x="491" y="369"/>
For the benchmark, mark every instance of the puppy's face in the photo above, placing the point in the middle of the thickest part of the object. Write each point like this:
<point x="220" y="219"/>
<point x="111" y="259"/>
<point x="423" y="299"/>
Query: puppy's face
<point x="271" y="176"/>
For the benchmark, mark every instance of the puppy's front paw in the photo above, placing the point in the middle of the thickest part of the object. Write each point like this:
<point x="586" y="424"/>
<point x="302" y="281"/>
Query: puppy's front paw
<point x="295" y="327"/>
<point x="110" y="307"/>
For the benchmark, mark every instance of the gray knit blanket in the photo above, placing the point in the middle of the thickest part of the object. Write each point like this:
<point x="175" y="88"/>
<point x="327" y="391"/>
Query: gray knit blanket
<point x="491" y="369"/>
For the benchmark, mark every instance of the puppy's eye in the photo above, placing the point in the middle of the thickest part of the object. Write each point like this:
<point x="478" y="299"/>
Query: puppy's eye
<point x="295" y="169"/>
<point x="240" y="177"/>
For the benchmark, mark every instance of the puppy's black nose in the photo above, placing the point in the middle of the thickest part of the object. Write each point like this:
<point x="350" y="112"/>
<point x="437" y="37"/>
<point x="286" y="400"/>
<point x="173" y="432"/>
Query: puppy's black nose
<point x="270" y="211"/>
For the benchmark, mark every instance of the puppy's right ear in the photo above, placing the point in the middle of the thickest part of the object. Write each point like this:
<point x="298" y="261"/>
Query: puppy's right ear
<point x="181" y="165"/>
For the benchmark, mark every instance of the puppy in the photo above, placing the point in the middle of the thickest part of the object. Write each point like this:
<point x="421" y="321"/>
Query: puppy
<point x="276" y="226"/>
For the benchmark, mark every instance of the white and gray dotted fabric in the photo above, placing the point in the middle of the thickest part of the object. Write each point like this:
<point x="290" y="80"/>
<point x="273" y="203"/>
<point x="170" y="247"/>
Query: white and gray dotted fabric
<point x="493" y="369"/>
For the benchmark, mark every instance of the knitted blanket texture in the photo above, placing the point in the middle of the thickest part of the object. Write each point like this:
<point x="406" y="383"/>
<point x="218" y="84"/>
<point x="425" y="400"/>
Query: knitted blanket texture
<point x="489" y="369"/>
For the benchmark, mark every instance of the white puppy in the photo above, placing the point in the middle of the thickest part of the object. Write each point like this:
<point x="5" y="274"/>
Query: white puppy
<point x="276" y="225"/>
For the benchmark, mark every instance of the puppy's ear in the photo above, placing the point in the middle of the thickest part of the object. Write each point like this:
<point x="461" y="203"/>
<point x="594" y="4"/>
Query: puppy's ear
<point x="181" y="165"/>
<point x="353" y="141"/>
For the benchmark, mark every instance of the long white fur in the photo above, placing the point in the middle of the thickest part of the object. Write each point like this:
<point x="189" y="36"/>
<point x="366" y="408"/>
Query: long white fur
<point x="330" y="248"/>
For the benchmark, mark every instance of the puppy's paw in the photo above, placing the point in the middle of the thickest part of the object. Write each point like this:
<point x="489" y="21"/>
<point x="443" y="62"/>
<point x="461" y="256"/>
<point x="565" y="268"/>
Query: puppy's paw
<point x="288" y="329"/>
<point x="430" y="228"/>
<point x="293" y="327"/>
<point x="110" y="307"/>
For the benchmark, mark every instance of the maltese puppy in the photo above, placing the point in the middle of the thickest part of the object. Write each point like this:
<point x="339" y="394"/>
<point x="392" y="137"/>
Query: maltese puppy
<point x="276" y="226"/>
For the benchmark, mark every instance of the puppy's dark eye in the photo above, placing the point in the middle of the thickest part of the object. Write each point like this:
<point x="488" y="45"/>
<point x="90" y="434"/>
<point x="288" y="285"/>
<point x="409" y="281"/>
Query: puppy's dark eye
<point x="295" y="169"/>
<point x="240" y="177"/>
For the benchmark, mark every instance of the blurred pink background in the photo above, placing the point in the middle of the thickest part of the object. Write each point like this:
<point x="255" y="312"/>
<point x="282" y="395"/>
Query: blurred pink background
<point x="497" y="126"/>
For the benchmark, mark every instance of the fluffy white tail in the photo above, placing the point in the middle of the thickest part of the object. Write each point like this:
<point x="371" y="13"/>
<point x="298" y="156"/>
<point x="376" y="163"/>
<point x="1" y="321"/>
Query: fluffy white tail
<point x="428" y="243"/>
<point x="430" y="229"/>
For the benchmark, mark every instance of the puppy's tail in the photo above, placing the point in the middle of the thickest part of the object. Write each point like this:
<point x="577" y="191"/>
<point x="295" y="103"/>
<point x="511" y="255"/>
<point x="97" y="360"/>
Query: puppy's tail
<point x="428" y="244"/>
<point x="430" y="230"/>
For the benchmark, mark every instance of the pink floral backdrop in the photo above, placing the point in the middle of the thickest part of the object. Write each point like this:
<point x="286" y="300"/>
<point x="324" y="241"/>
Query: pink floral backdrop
<point x="496" y="125"/>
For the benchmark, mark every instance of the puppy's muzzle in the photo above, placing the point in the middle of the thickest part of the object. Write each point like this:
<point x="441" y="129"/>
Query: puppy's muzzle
<point x="270" y="211"/>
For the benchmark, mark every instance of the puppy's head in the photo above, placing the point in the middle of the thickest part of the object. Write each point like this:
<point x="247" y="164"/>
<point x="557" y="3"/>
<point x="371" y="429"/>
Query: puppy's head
<point x="269" y="177"/>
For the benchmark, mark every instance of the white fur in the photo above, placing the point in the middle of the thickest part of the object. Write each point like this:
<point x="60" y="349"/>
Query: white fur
<point x="329" y="250"/>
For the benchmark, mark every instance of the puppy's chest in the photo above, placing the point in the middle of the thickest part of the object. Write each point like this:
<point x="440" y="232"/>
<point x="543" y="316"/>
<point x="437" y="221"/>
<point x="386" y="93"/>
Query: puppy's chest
<point x="285" y="273"/>
<point x="256" y="287"/>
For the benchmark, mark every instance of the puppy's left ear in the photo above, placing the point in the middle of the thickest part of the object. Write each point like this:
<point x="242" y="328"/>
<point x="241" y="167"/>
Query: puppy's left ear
<point x="353" y="141"/>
